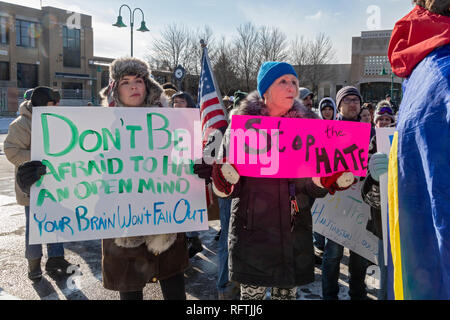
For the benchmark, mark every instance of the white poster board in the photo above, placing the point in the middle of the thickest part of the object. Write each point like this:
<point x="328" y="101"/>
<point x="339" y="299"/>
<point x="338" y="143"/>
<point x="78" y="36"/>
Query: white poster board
<point x="343" y="217"/>
<point x="384" y="142"/>
<point x="115" y="172"/>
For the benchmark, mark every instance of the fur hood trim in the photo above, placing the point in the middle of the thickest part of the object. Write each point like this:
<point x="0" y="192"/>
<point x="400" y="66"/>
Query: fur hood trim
<point x="254" y="105"/>
<point x="132" y="67"/>
<point x="156" y="244"/>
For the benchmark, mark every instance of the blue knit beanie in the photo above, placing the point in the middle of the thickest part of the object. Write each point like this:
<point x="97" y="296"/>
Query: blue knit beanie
<point x="271" y="71"/>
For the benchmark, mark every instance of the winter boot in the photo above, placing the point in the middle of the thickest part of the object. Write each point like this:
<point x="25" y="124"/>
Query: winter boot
<point x="194" y="246"/>
<point x="57" y="264"/>
<point x="34" y="269"/>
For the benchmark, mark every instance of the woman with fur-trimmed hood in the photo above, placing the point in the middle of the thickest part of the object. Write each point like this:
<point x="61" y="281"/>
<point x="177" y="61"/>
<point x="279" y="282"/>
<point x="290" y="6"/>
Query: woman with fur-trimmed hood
<point x="128" y="264"/>
<point x="266" y="247"/>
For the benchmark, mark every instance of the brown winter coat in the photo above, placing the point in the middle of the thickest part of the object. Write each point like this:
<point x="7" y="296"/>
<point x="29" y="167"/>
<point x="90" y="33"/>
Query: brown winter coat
<point x="129" y="263"/>
<point x="17" y="145"/>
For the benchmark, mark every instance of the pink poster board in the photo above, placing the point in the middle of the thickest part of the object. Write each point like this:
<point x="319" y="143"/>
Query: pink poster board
<point x="297" y="148"/>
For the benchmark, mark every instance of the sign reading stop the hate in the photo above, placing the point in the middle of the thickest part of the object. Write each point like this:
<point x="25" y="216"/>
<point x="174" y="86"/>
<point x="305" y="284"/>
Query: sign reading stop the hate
<point x="296" y="148"/>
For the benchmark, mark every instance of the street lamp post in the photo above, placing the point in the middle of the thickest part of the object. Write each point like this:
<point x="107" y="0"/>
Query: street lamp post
<point x="119" y="23"/>
<point x="384" y="73"/>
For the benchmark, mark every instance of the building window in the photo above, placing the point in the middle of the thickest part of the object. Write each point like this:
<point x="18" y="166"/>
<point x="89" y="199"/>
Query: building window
<point x="4" y="30"/>
<point x="71" y="47"/>
<point x="373" y="65"/>
<point x="27" y="75"/>
<point x="326" y="91"/>
<point x="26" y="33"/>
<point x="72" y="90"/>
<point x="4" y="71"/>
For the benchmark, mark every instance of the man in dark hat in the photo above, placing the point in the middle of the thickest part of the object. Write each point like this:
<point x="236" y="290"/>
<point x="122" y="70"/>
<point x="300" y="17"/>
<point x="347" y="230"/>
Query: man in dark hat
<point x="17" y="150"/>
<point x="306" y="96"/>
<point x="348" y="101"/>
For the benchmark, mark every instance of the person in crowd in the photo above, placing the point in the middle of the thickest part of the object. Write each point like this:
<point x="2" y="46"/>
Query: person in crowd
<point x="327" y="109"/>
<point x="169" y="89"/>
<point x="270" y="245"/>
<point x="388" y="98"/>
<point x="129" y="263"/>
<point x="17" y="148"/>
<point x="371" y="109"/>
<point x="419" y="167"/>
<point x="227" y="290"/>
<point x="183" y="99"/>
<point x="227" y="102"/>
<point x="27" y="94"/>
<point x="370" y="190"/>
<point x="364" y="116"/>
<point x="306" y="96"/>
<point x="348" y="101"/>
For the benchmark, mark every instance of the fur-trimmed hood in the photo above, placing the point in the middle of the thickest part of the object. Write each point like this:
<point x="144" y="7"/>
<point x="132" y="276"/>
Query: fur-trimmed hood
<point x="132" y="67"/>
<point x="253" y="105"/>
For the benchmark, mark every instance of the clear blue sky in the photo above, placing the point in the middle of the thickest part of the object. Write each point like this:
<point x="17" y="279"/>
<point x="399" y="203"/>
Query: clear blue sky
<point x="340" y="19"/>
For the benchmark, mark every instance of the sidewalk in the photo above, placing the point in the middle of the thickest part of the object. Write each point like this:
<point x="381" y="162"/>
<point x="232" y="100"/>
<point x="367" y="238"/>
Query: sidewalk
<point x="4" y="124"/>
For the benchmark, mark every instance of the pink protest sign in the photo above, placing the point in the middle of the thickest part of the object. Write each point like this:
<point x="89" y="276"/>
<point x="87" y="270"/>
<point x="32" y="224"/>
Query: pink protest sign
<point x="297" y="148"/>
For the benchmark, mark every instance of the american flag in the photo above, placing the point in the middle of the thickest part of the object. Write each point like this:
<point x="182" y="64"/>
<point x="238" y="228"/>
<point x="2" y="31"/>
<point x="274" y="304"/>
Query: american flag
<point x="212" y="111"/>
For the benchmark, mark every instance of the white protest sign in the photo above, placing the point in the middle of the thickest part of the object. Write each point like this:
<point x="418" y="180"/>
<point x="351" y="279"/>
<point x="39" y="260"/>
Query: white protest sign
<point x="115" y="172"/>
<point x="343" y="217"/>
<point x="384" y="142"/>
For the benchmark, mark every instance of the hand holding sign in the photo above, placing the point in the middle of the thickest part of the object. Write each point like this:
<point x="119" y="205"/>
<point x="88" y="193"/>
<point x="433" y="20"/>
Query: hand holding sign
<point x="28" y="173"/>
<point x="338" y="182"/>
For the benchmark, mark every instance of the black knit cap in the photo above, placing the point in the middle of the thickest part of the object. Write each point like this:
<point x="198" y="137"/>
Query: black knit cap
<point x="43" y="95"/>
<point x="347" y="91"/>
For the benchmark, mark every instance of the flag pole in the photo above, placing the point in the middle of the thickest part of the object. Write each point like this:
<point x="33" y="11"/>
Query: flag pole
<point x="219" y="94"/>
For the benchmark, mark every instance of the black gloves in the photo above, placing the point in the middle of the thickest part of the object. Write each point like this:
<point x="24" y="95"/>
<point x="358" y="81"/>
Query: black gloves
<point x="204" y="171"/>
<point x="28" y="173"/>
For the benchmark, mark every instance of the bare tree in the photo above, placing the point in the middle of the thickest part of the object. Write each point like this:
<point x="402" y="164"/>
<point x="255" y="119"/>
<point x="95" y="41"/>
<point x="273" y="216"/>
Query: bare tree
<point x="299" y="51"/>
<point x="169" y="50"/>
<point x="225" y="68"/>
<point x="272" y="44"/>
<point x="309" y="56"/>
<point x="246" y="46"/>
<point x="194" y="54"/>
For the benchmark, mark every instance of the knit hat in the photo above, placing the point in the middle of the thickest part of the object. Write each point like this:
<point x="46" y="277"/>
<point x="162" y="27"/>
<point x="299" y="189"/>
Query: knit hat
<point x="384" y="108"/>
<point x="238" y="97"/>
<point x="347" y="91"/>
<point x="43" y="95"/>
<point x="269" y="72"/>
<point x="127" y="66"/>
<point x="27" y="94"/>
<point x="304" y="92"/>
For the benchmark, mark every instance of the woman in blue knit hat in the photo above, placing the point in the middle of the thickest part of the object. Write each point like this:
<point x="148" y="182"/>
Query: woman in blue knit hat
<point x="266" y="247"/>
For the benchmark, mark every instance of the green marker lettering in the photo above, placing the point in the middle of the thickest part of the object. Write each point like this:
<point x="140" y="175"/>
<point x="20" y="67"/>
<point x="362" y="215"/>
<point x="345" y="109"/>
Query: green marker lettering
<point x="46" y="134"/>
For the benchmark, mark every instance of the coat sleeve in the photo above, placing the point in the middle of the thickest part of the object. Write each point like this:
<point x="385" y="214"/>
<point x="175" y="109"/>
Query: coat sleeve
<point x="17" y="144"/>
<point x="308" y="187"/>
<point x="222" y="144"/>
<point x="370" y="192"/>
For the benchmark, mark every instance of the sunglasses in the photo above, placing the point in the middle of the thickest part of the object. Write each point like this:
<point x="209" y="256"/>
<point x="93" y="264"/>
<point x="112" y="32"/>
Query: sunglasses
<point x="387" y="110"/>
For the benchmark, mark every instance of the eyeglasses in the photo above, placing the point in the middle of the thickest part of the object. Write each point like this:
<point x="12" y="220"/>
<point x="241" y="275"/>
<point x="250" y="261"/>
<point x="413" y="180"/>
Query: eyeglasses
<point x="384" y="110"/>
<point x="350" y="100"/>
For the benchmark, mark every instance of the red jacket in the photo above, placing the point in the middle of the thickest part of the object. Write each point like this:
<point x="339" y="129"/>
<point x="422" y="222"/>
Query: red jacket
<point x="414" y="37"/>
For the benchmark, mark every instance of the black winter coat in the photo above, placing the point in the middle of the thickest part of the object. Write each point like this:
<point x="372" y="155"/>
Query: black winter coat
<point x="262" y="249"/>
